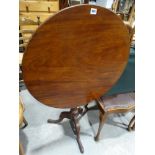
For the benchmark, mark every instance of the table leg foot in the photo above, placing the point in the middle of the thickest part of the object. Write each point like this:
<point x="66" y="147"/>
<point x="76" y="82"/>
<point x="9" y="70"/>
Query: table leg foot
<point x="74" y="115"/>
<point x="61" y="117"/>
<point x="76" y="129"/>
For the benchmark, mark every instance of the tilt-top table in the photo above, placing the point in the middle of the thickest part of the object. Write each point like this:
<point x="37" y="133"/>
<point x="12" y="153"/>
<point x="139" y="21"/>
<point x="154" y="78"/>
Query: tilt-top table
<point x="75" y="56"/>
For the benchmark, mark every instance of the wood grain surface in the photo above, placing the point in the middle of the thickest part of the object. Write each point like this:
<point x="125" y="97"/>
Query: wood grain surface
<point x="75" y="56"/>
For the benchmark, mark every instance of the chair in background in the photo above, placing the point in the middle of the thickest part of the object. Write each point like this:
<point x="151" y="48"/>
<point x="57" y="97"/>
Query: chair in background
<point x="22" y="121"/>
<point x="113" y="101"/>
<point x="120" y="103"/>
<point x="121" y="97"/>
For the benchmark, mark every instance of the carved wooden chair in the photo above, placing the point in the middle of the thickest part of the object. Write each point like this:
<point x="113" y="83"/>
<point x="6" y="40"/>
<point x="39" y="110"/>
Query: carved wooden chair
<point x="124" y="85"/>
<point x="116" y="101"/>
<point x="120" y="103"/>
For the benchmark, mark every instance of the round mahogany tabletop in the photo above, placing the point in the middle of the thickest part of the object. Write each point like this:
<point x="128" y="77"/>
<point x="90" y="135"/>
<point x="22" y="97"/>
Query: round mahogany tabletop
<point x="75" y="56"/>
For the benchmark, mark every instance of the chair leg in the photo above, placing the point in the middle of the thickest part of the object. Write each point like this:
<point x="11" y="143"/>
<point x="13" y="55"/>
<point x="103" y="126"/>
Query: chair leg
<point x="102" y="118"/>
<point x="131" y="125"/>
<point x="21" y="151"/>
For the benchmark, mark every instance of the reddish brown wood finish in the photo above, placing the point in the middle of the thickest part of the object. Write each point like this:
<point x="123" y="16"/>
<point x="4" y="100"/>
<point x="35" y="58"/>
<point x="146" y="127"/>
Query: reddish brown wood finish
<point x="75" y="56"/>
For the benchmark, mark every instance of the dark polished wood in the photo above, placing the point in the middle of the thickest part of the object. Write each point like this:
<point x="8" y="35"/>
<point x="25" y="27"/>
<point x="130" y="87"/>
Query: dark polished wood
<point x="102" y="119"/>
<point x="74" y="115"/>
<point x="75" y="55"/>
<point x="103" y="116"/>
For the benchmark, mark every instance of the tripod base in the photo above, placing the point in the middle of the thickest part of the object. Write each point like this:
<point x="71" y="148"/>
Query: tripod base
<point x="74" y="116"/>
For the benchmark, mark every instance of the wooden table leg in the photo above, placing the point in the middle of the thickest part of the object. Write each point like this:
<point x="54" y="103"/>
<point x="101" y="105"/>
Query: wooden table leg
<point x="74" y="115"/>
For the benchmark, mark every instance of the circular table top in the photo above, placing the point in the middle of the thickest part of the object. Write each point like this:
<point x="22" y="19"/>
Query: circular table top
<point x="75" y="56"/>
